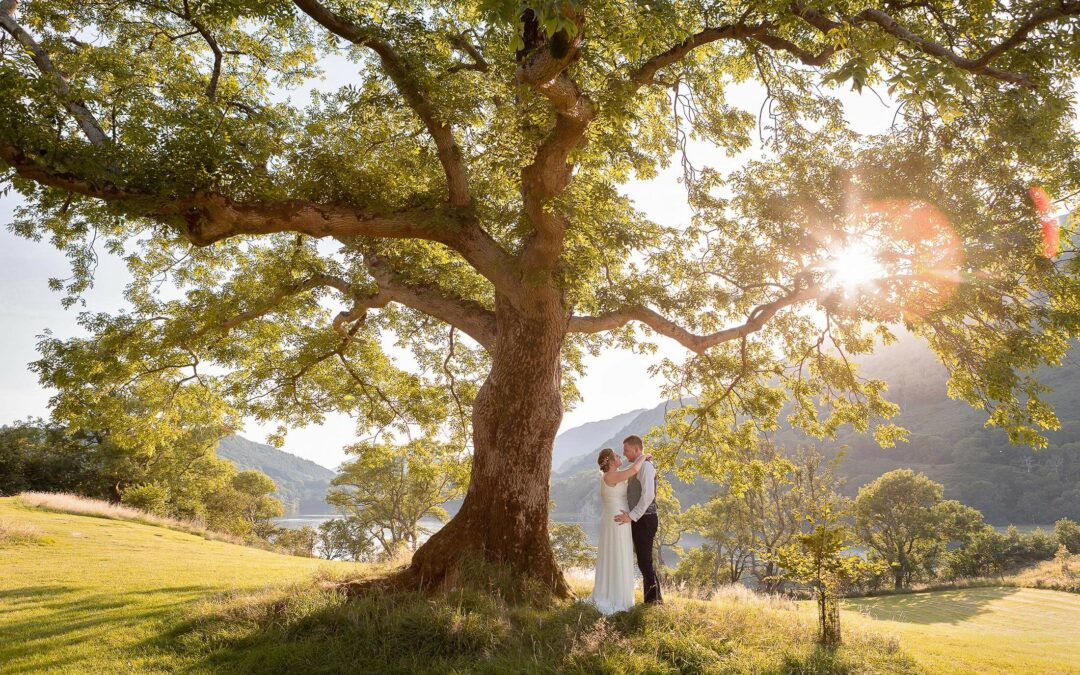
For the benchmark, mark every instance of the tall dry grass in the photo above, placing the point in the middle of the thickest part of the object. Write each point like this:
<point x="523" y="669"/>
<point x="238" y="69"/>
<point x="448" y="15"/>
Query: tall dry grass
<point x="13" y="532"/>
<point x="84" y="506"/>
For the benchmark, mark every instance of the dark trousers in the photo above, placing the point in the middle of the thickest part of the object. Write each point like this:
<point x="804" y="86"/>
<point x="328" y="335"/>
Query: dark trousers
<point x="643" y="532"/>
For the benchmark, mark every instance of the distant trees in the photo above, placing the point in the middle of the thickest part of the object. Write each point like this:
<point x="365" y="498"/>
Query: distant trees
<point x="724" y="523"/>
<point x="989" y="553"/>
<point x="45" y="457"/>
<point x="179" y="477"/>
<point x="344" y="539"/>
<point x="244" y="505"/>
<point x="301" y="541"/>
<point x="385" y="492"/>
<point x="571" y="546"/>
<point x="902" y="518"/>
<point x="758" y="513"/>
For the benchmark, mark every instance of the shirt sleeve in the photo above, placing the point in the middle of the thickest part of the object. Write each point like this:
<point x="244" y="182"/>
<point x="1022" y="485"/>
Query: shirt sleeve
<point x="647" y="477"/>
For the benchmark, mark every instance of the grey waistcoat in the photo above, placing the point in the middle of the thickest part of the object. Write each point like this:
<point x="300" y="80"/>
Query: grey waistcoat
<point x="633" y="493"/>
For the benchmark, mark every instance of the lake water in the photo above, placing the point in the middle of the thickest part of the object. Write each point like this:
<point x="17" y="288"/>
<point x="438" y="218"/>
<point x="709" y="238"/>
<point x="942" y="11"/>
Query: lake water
<point x="592" y="530"/>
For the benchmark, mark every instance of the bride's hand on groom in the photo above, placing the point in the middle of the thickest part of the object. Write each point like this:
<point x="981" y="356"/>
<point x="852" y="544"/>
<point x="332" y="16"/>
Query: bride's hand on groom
<point x="622" y="518"/>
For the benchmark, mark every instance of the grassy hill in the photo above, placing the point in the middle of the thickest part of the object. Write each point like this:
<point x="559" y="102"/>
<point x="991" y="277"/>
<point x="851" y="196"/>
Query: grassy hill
<point x="302" y="484"/>
<point x="100" y="595"/>
<point x="82" y="594"/>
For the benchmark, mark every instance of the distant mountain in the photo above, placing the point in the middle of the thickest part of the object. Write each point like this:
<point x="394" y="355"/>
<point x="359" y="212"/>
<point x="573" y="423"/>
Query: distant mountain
<point x="948" y="441"/>
<point x="587" y="437"/>
<point x="302" y="484"/>
<point x="640" y="423"/>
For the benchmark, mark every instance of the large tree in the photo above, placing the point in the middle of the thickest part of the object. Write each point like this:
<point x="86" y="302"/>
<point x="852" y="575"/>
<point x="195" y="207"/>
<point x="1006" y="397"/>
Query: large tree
<point x="461" y="191"/>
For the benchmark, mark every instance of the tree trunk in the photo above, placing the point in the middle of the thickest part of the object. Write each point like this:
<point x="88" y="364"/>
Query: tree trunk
<point x="504" y="518"/>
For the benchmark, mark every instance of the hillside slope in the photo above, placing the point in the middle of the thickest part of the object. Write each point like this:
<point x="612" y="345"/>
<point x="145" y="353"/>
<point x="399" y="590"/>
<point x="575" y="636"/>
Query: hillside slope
<point x="582" y="439"/>
<point x="101" y="595"/>
<point x="302" y="484"/>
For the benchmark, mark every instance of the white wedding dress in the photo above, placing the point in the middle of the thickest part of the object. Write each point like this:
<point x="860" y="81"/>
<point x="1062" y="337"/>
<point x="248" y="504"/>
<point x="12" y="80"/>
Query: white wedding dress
<point x="613" y="588"/>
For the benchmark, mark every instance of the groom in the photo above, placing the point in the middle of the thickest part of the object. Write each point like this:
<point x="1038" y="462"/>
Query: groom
<point x="641" y="496"/>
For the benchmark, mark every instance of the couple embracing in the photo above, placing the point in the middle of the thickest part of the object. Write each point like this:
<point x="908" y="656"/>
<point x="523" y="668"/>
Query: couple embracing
<point x="627" y="529"/>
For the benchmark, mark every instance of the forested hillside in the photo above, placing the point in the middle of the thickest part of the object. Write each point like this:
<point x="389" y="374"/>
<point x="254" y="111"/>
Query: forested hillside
<point x="301" y="483"/>
<point x="948" y="441"/>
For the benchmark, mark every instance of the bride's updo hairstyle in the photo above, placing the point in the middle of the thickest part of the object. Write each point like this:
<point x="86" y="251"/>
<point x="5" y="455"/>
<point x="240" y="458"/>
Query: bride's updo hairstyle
<point x="607" y="456"/>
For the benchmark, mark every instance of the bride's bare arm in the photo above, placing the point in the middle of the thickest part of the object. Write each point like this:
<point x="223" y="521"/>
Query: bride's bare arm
<point x="616" y="477"/>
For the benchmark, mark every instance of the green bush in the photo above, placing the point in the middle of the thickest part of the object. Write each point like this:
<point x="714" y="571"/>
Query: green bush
<point x="147" y="497"/>
<point x="1067" y="533"/>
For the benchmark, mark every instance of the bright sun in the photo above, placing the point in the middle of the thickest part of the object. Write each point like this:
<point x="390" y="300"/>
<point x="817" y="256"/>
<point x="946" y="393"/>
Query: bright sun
<point x="854" y="265"/>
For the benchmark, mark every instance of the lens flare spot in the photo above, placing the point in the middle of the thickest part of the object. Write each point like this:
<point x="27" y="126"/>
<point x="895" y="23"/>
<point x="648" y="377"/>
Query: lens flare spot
<point x="1051" y="231"/>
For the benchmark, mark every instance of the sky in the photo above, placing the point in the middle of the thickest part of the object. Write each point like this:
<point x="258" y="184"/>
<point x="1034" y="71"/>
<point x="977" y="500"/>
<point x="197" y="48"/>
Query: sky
<point x="617" y="381"/>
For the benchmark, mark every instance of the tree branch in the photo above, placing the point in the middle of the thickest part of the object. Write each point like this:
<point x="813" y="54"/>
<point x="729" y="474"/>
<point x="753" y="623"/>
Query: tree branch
<point x="479" y="63"/>
<point x="85" y="119"/>
<point x="468" y="316"/>
<point x="695" y="343"/>
<point x="275" y="300"/>
<point x="760" y="32"/>
<point x="545" y="178"/>
<point x="450" y="153"/>
<point x="977" y="66"/>
<point x="646" y="72"/>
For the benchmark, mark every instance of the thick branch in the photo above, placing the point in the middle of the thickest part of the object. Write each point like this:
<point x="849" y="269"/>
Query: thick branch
<point x="206" y="218"/>
<point x="450" y="153"/>
<point x="695" y="343"/>
<point x="549" y="173"/>
<point x="85" y="119"/>
<point x="646" y="72"/>
<point x="31" y="168"/>
<point x="470" y="317"/>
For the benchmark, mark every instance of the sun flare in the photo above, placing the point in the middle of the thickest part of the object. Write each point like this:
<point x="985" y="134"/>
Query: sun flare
<point x="854" y="265"/>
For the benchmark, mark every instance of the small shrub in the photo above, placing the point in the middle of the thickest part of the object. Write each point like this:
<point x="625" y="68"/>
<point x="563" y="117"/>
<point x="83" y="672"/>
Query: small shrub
<point x="1067" y="533"/>
<point x="147" y="497"/>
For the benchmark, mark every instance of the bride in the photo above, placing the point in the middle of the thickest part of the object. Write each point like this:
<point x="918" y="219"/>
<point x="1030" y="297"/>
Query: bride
<point x="613" y="587"/>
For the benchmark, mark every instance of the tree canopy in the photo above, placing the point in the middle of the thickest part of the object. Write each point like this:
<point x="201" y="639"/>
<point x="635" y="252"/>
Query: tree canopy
<point x="461" y="195"/>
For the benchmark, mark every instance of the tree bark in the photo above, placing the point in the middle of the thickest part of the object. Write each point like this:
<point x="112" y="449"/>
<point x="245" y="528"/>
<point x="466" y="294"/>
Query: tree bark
<point x="504" y="518"/>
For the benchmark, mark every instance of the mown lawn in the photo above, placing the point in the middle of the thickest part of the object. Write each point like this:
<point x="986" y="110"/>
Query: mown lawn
<point x="979" y="630"/>
<point x="102" y="595"/>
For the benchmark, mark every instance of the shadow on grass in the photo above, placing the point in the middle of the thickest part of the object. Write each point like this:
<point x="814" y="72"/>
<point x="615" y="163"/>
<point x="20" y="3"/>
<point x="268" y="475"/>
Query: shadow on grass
<point x="58" y="620"/>
<point x="929" y="607"/>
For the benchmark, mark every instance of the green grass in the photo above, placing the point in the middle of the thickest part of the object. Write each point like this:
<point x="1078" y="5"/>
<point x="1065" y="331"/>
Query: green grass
<point x="87" y="594"/>
<point x="98" y="595"/>
<point x="979" y="630"/>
